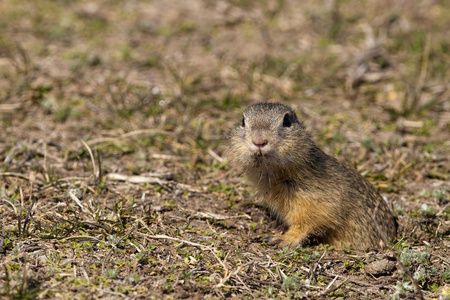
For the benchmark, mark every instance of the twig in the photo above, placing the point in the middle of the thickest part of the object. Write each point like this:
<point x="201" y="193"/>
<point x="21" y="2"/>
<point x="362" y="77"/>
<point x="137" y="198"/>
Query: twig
<point x="215" y="155"/>
<point x="114" y="246"/>
<point x="424" y="66"/>
<point x="19" y="221"/>
<point x="200" y="246"/>
<point x="7" y="107"/>
<point x="72" y="178"/>
<point x="32" y="179"/>
<point x="169" y="157"/>
<point x="355" y="281"/>
<point x="25" y="58"/>
<point x="312" y="278"/>
<point x="135" y="178"/>
<point x="245" y="286"/>
<point x="440" y="213"/>
<point x="94" y="166"/>
<point x="77" y="201"/>
<point x="227" y="277"/>
<point x="112" y="293"/>
<point x="2" y="242"/>
<point x="331" y="283"/>
<point x="327" y="290"/>
<point x="25" y="277"/>
<point x="210" y="227"/>
<point x="10" y="155"/>
<point x="166" y="237"/>
<point x="7" y="279"/>
<point x="15" y="210"/>
<point x="28" y="215"/>
<point x="164" y="175"/>
<point x="15" y="174"/>
<point x="280" y="273"/>
<point x="129" y="134"/>
<point x="81" y="238"/>
<point x="146" y="179"/>
<point x="44" y="164"/>
<point x="444" y="260"/>
<point x="210" y="215"/>
<point x="100" y="171"/>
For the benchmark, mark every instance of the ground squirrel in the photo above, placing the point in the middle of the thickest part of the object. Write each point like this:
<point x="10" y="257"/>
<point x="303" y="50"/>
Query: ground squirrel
<point x="312" y="194"/>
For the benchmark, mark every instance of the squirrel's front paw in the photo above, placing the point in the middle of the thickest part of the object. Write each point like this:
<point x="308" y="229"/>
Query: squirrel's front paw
<point x="283" y="241"/>
<point x="273" y="239"/>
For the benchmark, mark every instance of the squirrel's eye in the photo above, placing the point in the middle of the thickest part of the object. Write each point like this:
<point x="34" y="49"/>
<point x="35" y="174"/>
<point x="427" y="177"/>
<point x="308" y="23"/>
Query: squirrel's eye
<point x="287" y="121"/>
<point x="243" y="122"/>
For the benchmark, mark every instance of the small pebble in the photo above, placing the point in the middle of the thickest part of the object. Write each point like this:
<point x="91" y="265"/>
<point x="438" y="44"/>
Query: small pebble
<point x="380" y="267"/>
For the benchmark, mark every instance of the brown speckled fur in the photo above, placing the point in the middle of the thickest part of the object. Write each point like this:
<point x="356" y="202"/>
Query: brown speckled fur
<point x="314" y="195"/>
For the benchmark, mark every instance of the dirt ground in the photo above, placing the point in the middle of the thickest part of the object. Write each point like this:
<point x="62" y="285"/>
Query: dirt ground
<point x="114" y="177"/>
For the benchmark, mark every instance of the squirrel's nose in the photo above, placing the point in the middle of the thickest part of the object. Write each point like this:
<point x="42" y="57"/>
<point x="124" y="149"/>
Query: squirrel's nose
<point x="260" y="143"/>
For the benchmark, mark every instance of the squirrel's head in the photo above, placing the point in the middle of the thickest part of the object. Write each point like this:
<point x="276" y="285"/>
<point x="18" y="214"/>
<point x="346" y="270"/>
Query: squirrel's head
<point x="269" y="136"/>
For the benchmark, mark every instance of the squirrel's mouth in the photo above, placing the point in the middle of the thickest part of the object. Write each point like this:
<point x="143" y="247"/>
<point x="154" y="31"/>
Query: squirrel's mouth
<point x="260" y="156"/>
<point x="261" y="152"/>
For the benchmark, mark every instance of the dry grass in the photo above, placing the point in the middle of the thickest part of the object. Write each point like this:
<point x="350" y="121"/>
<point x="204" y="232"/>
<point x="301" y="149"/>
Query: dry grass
<point x="114" y="182"/>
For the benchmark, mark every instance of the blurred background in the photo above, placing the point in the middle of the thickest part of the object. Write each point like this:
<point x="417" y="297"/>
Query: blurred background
<point x="89" y="88"/>
<point x="85" y="68"/>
